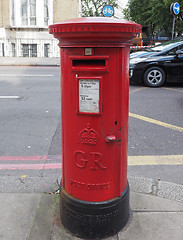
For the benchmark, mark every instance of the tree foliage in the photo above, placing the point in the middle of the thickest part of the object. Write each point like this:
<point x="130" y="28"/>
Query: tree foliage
<point x="93" y="8"/>
<point x="154" y="13"/>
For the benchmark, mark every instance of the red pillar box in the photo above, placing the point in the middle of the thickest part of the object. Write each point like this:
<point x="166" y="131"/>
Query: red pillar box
<point x="94" y="195"/>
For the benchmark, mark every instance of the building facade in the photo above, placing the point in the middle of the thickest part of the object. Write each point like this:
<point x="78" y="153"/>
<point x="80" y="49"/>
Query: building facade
<point x="24" y="26"/>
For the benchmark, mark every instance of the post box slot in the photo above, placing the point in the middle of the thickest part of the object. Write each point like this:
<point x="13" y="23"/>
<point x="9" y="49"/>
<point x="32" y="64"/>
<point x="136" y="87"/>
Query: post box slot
<point x="89" y="63"/>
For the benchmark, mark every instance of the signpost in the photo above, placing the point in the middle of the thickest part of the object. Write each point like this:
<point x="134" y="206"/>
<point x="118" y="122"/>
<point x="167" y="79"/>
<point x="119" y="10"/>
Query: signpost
<point x="175" y="10"/>
<point x="108" y="11"/>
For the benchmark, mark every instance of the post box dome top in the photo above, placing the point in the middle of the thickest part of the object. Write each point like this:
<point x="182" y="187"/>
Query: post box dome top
<point x="95" y="24"/>
<point x="95" y="28"/>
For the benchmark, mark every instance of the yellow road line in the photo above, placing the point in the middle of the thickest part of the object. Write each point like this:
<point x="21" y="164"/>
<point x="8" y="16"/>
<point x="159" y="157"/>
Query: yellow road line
<point x="150" y="120"/>
<point x="138" y="89"/>
<point x="172" y="89"/>
<point x="155" y="160"/>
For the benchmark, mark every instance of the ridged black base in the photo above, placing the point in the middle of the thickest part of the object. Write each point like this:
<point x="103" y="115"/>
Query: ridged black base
<point x="94" y="219"/>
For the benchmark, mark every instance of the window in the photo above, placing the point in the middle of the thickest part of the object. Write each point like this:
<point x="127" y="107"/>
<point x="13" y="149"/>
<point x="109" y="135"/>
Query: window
<point x="32" y="12"/>
<point x="180" y="47"/>
<point x="29" y="50"/>
<point x="46" y="49"/>
<point x="24" y="12"/>
<point x="28" y="12"/>
<point x="33" y="50"/>
<point x="46" y="13"/>
<point x="172" y="51"/>
<point x="3" y="52"/>
<point x="13" y="50"/>
<point x="13" y="12"/>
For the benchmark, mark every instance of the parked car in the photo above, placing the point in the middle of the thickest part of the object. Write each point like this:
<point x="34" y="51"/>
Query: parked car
<point x="157" y="65"/>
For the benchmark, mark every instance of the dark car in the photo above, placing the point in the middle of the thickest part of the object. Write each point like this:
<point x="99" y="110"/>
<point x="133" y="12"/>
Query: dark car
<point x="157" y="65"/>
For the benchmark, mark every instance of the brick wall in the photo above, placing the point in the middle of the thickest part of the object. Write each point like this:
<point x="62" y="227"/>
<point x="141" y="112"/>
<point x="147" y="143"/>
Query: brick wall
<point x="4" y="13"/>
<point x="65" y="9"/>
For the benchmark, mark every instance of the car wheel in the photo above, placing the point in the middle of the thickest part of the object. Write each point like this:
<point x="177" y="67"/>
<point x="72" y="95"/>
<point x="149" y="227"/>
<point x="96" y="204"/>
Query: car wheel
<point x="154" y="77"/>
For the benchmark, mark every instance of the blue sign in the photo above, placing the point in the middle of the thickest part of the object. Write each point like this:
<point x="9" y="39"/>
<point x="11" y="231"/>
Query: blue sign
<point x="176" y="8"/>
<point x="108" y="11"/>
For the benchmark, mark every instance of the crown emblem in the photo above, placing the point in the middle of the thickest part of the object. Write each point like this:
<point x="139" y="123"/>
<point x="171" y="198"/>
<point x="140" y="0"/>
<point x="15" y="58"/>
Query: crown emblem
<point x="89" y="135"/>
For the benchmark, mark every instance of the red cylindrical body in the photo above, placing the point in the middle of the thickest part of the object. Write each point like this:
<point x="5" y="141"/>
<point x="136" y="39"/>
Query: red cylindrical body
<point x="94" y="169"/>
<point x="95" y="92"/>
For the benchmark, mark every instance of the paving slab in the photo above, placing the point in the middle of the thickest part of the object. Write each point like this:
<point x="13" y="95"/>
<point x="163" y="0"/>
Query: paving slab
<point x="29" y="184"/>
<point x="154" y="225"/>
<point x="17" y="214"/>
<point x="149" y="203"/>
<point x="42" y="226"/>
<point x="152" y="218"/>
<point x="35" y="216"/>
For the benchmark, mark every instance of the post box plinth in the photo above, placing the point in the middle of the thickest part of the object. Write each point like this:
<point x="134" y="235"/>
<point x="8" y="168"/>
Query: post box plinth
<point x="94" y="193"/>
<point x="94" y="220"/>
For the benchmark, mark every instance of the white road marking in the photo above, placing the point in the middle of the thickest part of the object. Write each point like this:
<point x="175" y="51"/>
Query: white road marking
<point x="9" y="97"/>
<point x="26" y="75"/>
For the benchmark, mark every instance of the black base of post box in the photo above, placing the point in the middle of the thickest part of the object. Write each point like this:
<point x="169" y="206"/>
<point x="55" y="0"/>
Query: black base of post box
<point x="94" y="220"/>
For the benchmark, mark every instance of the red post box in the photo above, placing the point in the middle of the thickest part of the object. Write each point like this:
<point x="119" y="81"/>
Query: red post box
<point x="94" y="195"/>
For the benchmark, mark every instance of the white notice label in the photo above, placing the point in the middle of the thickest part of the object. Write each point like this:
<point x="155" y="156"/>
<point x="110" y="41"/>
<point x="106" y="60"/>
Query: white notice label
<point x="89" y="95"/>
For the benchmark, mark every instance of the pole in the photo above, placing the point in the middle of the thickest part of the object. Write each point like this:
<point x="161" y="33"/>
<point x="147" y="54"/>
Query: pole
<point x="173" y="27"/>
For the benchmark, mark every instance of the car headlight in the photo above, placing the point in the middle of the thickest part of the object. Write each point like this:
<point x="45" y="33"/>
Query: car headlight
<point x="131" y="73"/>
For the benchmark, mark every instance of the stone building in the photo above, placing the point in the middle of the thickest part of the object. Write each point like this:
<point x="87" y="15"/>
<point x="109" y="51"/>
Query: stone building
<point x="24" y="26"/>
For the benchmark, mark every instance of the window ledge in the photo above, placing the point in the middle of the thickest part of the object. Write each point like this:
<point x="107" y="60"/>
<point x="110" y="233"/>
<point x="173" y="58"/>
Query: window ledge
<point x="26" y="27"/>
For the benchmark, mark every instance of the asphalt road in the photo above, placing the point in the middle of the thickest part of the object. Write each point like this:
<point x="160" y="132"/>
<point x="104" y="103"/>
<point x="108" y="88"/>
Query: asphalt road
<point x="30" y="126"/>
<point x="29" y="121"/>
<point x="156" y="130"/>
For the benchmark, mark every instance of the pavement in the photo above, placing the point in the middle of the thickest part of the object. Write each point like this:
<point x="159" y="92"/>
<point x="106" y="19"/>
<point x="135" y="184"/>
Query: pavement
<point x="157" y="213"/>
<point x="157" y="206"/>
<point x="29" y="61"/>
